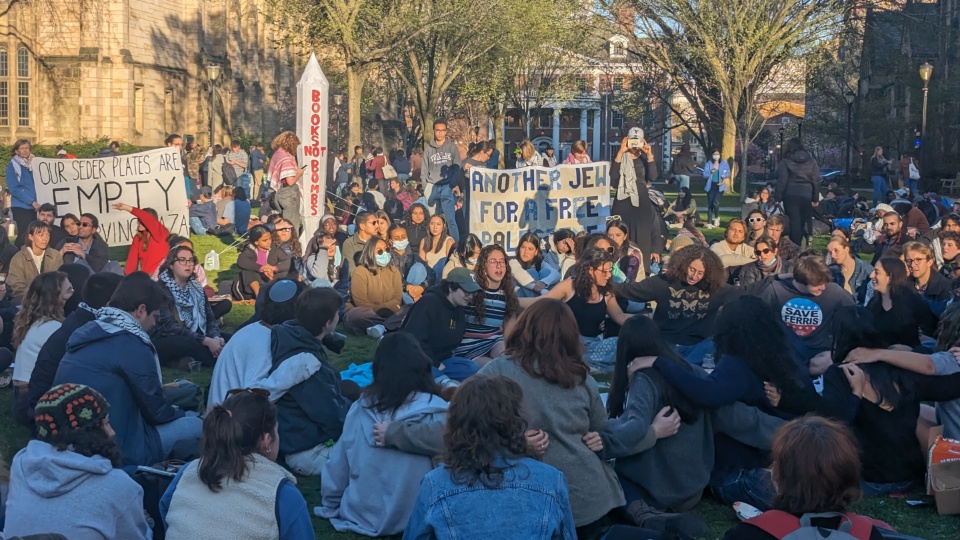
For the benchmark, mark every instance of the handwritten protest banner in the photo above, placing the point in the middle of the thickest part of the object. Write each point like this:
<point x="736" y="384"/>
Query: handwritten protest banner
<point x="506" y="204"/>
<point x="152" y="179"/>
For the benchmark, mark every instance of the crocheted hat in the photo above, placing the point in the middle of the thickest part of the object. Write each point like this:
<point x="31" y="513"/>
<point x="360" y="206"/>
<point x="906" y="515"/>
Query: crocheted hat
<point x="69" y="407"/>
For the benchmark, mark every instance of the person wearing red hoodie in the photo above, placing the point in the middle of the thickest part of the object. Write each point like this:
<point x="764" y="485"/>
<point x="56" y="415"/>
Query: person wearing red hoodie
<point x="149" y="247"/>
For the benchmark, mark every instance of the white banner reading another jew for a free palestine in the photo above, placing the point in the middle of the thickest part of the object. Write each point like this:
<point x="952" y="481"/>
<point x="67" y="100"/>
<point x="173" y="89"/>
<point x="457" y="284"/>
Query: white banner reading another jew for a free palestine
<point x="505" y="204"/>
<point x="151" y="179"/>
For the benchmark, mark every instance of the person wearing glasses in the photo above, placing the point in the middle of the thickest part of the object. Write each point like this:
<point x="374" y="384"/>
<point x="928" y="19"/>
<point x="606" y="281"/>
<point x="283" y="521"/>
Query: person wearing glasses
<point x="86" y="248"/>
<point x="285" y="238"/>
<point x="767" y="265"/>
<point x="756" y="222"/>
<point x="186" y="326"/>
<point x="589" y="294"/>
<point x="376" y="292"/>
<point x="237" y="476"/>
<point x="490" y="309"/>
<point x="689" y="295"/>
<point x="934" y="288"/>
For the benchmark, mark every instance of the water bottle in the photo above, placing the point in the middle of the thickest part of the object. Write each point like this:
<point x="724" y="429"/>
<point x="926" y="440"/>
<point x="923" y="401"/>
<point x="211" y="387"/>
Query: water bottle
<point x="212" y="261"/>
<point x="708" y="363"/>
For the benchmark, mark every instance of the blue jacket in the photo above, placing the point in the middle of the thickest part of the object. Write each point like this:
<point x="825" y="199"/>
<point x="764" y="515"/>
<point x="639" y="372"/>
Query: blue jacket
<point x="124" y="369"/>
<point x="859" y="279"/>
<point x="724" y="169"/>
<point x="531" y="503"/>
<point x="22" y="191"/>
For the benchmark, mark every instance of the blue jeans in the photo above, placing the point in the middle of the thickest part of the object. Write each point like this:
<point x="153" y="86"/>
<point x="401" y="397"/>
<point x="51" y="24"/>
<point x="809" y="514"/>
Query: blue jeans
<point x="456" y="368"/>
<point x="879" y="189"/>
<point x="196" y="225"/>
<point x="415" y="276"/>
<point x="683" y="181"/>
<point x="912" y="184"/>
<point x="752" y="486"/>
<point x="695" y="353"/>
<point x="878" y="489"/>
<point x="713" y="203"/>
<point x="440" y="197"/>
<point x="181" y="434"/>
<point x="244" y="181"/>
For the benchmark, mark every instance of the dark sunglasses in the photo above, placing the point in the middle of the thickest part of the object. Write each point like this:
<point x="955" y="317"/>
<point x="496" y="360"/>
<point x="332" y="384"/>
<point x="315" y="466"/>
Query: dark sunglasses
<point x="82" y="224"/>
<point x="255" y="391"/>
<point x="610" y="250"/>
<point x="763" y="251"/>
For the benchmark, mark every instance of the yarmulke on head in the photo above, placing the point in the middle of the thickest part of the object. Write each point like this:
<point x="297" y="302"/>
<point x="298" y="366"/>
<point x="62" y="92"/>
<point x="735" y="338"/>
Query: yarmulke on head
<point x="69" y="407"/>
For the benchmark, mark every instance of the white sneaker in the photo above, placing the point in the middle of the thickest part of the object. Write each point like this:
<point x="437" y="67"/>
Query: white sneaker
<point x="376" y="331"/>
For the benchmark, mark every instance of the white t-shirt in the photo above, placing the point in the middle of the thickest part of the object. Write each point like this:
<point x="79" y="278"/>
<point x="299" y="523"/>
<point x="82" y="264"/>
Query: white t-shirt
<point x="27" y="353"/>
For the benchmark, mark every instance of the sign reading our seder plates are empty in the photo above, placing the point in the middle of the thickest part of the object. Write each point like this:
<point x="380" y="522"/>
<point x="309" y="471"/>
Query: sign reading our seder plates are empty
<point x="151" y="179"/>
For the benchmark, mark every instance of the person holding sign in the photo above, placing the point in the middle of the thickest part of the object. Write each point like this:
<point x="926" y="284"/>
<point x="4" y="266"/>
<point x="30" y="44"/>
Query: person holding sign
<point x="23" y="193"/>
<point x="632" y="169"/>
<point x="149" y="246"/>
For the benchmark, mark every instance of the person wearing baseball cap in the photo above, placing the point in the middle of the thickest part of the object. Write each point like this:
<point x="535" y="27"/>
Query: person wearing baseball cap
<point x="203" y="213"/>
<point x="438" y="322"/>
<point x="634" y="167"/>
<point x="66" y="481"/>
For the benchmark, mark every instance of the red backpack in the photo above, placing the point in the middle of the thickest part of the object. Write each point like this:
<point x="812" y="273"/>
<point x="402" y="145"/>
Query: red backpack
<point x="785" y="526"/>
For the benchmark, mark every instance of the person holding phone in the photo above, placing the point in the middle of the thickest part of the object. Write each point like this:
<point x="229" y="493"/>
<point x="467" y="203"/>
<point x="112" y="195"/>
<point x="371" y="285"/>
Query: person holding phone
<point x="633" y="168"/>
<point x="717" y="172"/>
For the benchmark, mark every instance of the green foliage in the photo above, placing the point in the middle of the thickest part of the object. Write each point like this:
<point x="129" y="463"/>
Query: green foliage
<point x="82" y="148"/>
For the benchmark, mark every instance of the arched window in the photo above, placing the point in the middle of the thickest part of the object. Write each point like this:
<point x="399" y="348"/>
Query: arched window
<point x="23" y="87"/>
<point x="23" y="62"/>
<point x="4" y="64"/>
<point x="4" y="88"/>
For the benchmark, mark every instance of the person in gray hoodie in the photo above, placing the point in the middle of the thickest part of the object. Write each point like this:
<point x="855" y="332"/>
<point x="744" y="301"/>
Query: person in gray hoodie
<point x="368" y="489"/>
<point x="441" y="168"/>
<point x="798" y="181"/>
<point x="66" y="481"/>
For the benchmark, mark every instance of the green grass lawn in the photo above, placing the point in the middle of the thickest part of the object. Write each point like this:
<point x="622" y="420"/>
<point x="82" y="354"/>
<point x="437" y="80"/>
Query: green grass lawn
<point x="920" y="521"/>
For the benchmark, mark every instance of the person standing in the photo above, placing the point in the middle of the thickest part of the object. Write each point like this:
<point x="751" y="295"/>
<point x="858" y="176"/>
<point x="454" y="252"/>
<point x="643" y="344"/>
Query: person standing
<point x="717" y="172"/>
<point x="257" y="159"/>
<point x="683" y="166"/>
<point x="240" y="161"/>
<point x="23" y="193"/>
<point x="194" y="160"/>
<point x="878" y="174"/>
<point x="798" y="177"/>
<point x="549" y="159"/>
<point x="358" y="166"/>
<point x="635" y="167"/>
<point x="441" y="169"/>
<point x="284" y="161"/>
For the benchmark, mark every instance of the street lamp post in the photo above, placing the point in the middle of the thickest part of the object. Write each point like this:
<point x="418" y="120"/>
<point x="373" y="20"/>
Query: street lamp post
<point x="338" y="101"/>
<point x="926" y="71"/>
<point x="849" y="97"/>
<point x="780" y="146"/>
<point x="213" y="73"/>
<point x="800" y="128"/>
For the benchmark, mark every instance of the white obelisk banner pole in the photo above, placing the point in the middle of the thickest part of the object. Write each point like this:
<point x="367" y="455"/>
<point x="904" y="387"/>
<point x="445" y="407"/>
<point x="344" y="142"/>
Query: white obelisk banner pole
<point x="313" y="95"/>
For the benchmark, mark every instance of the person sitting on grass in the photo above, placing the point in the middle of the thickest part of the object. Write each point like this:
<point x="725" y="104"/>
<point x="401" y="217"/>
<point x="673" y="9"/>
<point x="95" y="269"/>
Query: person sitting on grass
<point x="312" y="410"/>
<point x="35" y="258"/>
<point x="816" y="468"/>
<point x="368" y="489"/>
<point x="489" y="473"/>
<point x="114" y="355"/>
<point x="72" y="465"/>
<point x="260" y="261"/>
<point x="237" y="475"/>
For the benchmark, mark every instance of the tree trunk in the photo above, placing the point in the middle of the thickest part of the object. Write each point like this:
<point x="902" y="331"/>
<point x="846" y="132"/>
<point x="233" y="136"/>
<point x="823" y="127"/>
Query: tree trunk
<point x="728" y="148"/>
<point x="356" y="79"/>
<point x="498" y="138"/>
<point x="744" y="156"/>
<point x="427" y="117"/>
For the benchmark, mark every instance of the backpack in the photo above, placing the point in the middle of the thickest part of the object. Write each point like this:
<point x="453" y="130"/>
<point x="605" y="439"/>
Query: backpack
<point x="914" y="171"/>
<point x="785" y="526"/>
<point x="229" y="173"/>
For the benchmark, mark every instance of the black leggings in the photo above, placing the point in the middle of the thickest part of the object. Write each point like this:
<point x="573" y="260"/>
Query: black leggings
<point x="221" y="308"/>
<point x="799" y="212"/>
<point x="170" y="349"/>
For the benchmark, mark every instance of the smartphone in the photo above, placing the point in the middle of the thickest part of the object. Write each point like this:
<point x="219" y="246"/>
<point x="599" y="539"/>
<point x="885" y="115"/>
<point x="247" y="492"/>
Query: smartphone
<point x="634" y="143"/>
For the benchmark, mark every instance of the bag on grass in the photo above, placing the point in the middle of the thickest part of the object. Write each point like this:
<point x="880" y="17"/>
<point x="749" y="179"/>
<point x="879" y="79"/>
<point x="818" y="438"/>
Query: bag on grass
<point x="786" y="526"/>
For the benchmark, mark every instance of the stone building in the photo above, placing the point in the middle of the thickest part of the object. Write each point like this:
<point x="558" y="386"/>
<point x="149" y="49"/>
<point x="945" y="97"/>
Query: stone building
<point x="136" y="70"/>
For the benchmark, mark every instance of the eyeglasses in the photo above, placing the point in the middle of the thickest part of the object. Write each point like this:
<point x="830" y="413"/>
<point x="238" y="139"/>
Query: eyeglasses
<point x="757" y="220"/>
<point x="285" y="229"/>
<point x="691" y="272"/>
<point x="763" y="251"/>
<point x="917" y="262"/>
<point x="186" y="260"/>
<point x="255" y="391"/>
<point x="82" y="224"/>
<point x="604" y="270"/>
<point x="498" y="262"/>
<point x="610" y="250"/>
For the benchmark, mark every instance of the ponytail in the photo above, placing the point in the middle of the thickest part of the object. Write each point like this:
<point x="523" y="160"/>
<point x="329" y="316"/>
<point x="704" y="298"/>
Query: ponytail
<point x="231" y="433"/>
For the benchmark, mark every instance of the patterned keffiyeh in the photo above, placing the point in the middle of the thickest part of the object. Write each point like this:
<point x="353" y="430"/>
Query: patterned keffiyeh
<point x="114" y="320"/>
<point x="191" y="302"/>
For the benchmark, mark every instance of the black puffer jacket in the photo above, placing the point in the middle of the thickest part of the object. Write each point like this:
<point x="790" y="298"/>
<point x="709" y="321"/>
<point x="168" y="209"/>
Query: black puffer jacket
<point x="798" y="175"/>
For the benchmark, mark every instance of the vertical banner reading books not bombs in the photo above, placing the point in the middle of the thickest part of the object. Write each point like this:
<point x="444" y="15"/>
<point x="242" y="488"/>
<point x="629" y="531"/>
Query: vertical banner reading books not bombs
<point x="152" y="179"/>
<point x="505" y="204"/>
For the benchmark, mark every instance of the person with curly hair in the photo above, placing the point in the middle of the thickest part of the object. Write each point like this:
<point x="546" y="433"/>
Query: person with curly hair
<point x="544" y="355"/>
<point x="73" y="463"/>
<point x="589" y="295"/>
<point x="283" y="162"/>
<point x="767" y="266"/>
<point x="491" y="309"/>
<point x="743" y="368"/>
<point x="689" y="295"/>
<point x="40" y="315"/>
<point x="488" y="470"/>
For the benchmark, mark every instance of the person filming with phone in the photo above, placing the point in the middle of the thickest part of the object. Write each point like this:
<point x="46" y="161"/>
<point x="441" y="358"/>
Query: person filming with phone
<point x="632" y="169"/>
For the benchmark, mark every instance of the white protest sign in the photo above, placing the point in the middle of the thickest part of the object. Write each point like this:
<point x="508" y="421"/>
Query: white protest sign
<point x="505" y="204"/>
<point x="151" y="179"/>
<point x="313" y="94"/>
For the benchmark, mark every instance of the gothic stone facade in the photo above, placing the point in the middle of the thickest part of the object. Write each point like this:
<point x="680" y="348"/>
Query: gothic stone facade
<point x="136" y="70"/>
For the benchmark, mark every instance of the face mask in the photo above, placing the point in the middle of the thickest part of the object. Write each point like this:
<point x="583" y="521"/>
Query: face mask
<point x="337" y="259"/>
<point x="383" y="259"/>
<point x="472" y="261"/>
<point x="401" y="245"/>
<point x="769" y="264"/>
<point x="716" y="157"/>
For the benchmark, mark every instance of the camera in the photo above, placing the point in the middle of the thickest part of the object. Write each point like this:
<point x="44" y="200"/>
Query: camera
<point x="635" y="143"/>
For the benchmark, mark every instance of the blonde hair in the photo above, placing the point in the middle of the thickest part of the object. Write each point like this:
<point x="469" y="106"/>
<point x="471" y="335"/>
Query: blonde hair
<point x="877" y="151"/>
<point x="919" y="247"/>
<point x="579" y="147"/>
<point x="527" y="150"/>
<point x="287" y="140"/>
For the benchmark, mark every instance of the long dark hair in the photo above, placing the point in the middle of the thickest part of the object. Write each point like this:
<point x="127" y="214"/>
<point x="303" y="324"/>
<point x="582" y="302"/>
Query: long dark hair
<point x="531" y="238"/>
<point x="640" y="336"/>
<point x="683" y="200"/>
<point x="855" y="326"/>
<point x="467" y="246"/>
<point x="545" y="342"/>
<point x="506" y="285"/>
<point x="436" y="243"/>
<point x="255" y="233"/>
<point x="624" y="249"/>
<point x="899" y="285"/>
<point x="583" y="282"/>
<point x="749" y="329"/>
<point x="400" y="368"/>
<point x="484" y="423"/>
<point x="231" y="433"/>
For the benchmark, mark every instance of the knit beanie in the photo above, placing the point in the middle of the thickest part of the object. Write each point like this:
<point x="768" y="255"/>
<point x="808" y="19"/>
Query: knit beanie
<point x="69" y="407"/>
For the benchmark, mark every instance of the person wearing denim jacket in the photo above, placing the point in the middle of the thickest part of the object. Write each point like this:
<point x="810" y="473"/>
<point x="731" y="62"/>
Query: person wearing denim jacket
<point x="531" y="503"/>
